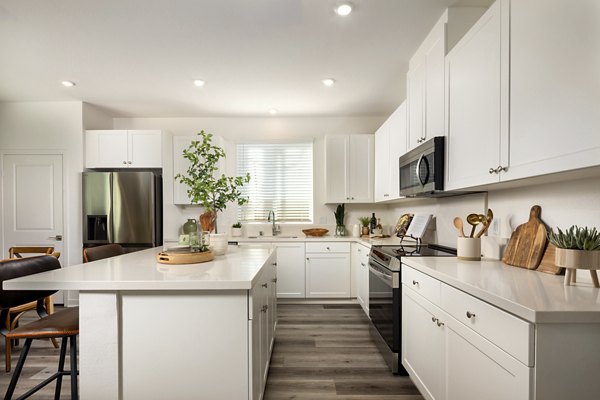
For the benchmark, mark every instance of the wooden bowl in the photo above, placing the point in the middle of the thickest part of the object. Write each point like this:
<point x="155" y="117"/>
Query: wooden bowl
<point x="315" y="232"/>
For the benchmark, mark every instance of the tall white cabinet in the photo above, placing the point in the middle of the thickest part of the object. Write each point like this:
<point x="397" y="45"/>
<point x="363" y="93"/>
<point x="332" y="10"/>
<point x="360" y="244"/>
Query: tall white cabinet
<point x="390" y="144"/>
<point x="349" y="168"/>
<point x="522" y="96"/>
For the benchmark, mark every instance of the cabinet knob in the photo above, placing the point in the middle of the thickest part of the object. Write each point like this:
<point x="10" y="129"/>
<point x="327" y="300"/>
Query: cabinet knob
<point x="128" y="162"/>
<point x="352" y="198"/>
<point x="328" y="248"/>
<point x="274" y="280"/>
<point x="265" y="285"/>
<point x="363" y="264"/>
<point x="125" y="162"/>
<point x="347" y="198"/>
<point x="307" y="259"/>
<point x="386" y="195"/>
<point x="491" y="171"/>
<point x="470" y="315"/>
<point x="501" y="169"/>
<point x="416" y="283"/>
<point x="438" y="323"/>
<point x="264" y="308"/>
<point x="359" y="250"/>
<point x="275" y="264"/>
<point x="434" y="319"/>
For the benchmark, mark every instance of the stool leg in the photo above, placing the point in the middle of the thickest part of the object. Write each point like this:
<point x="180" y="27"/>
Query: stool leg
<point x="7" y="353"/>
<point x="18" y="369"/>
<point x="61" y="368"/>
<point x="74" y="392"/>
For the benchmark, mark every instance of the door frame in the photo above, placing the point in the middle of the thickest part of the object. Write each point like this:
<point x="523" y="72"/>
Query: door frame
<point x="44" y="152"/>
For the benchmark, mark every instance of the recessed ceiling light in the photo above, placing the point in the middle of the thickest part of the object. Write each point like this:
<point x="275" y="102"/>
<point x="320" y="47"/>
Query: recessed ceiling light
<point x="343" y="9"/>
<point x="199" y="82"/>
<point x="272" y="111"/>
<point x="328" y="82"/>
<point x="68" y="83"/>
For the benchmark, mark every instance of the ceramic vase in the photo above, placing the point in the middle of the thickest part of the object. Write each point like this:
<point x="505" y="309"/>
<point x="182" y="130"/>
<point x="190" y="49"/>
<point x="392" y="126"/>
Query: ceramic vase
<point x="236" y="232"/>
<point x="218" y="243"/>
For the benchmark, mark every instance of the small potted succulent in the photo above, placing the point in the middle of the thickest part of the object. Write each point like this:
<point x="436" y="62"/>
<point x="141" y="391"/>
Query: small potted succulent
<point x="340" y="229"/>
<point x="364" y="221"/>
<point x="577" y="248"/>
<point x="236" y="229"/>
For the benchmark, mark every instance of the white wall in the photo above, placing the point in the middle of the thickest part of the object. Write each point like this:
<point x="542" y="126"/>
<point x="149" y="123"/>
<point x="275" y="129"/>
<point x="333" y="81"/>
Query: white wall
<point x="51" y="126"/>
<point x="258" y="129"/>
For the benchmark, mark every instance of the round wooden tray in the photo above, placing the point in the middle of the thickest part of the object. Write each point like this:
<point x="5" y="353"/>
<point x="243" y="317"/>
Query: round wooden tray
<point x="184" y="257"/>
<point x="317" y="232"/>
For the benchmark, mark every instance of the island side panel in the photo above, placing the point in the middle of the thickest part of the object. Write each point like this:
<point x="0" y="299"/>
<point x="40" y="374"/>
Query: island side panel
<point x="99" y="345"/>
<point x="185" y="345"/>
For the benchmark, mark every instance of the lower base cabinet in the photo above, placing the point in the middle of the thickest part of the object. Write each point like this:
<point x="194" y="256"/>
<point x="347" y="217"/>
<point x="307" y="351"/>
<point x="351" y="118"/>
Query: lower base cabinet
<point x="360" y="275"/>
<point x="262" y="323"/>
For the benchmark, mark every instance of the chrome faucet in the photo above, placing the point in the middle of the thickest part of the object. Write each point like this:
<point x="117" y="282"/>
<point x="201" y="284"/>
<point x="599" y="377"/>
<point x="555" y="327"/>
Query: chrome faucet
<point x="275" y="228"/>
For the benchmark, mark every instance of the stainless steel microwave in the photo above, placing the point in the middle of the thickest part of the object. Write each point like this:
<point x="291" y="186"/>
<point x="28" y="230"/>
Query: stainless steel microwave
<point x="422" y="170"/>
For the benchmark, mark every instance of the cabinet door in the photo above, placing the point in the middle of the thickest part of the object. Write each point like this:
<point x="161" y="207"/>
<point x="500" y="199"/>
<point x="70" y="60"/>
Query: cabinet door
<point x="554" y="86"/>
<point x="354" y="270"/>
<point x="145" y="149"/>
<point x="415" y="95"/>
<point x="422" y="343"/>
<point x="256" y="343"/>
<point x="361" y="165"/>
<point x="106" y="149"/>
<point x="476" y="369"/>
<point x="327" y="275"/>
<point x="382" y="164"/>
<point x="363" y="285"/>
<point x="336" y="169"/>
<point x="473" y="81"/>
<point x="290" y="270"/>
<point x="397" y="147"/>
<point x="434" y="82"/>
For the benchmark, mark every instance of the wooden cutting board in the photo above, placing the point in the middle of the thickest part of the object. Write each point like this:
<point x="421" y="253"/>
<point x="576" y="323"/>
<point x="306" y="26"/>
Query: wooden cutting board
<point x="548" y="264"/>
<point x="181" y="257"/>
<point x="527" y="243"/>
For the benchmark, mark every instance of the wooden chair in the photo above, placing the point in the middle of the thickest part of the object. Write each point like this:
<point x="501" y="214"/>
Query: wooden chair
<point x="15" y="313"/>
<point x="63" y="324"/>
<point x="101" y="252"/>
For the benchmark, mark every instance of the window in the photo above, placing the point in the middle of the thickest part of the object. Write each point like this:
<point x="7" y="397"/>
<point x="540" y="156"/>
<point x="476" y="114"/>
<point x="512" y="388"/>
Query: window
<point x="281" y="180"/>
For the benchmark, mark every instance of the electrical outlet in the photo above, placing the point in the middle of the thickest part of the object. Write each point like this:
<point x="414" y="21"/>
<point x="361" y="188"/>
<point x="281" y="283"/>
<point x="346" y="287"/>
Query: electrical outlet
<point x="496" y="226"/>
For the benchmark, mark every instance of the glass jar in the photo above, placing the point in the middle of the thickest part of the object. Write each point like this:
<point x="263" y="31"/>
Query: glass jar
<point x="340" y="230"/>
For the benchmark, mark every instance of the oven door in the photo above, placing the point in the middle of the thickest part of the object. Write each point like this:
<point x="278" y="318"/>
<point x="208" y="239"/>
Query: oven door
<point x="384" y="303"/>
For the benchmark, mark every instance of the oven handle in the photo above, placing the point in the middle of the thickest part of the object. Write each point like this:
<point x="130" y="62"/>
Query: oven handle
<point x="385" y="277"/>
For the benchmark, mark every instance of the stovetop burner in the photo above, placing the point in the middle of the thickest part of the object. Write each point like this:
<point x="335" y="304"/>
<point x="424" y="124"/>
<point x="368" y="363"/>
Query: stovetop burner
<point x="389" y="256"/>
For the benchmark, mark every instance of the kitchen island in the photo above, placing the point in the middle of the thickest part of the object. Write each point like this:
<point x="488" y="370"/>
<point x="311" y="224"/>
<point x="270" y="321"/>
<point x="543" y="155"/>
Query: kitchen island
<point x="155" y="331"/>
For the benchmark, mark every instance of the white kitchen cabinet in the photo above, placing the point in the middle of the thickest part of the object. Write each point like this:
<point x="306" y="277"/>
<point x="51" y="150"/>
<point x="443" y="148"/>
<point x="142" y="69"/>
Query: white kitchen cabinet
<point x="462" y="350"/>
<point x="263" y="319"/>
<point x="291" y="275"/>
<point x="123" y="149"/>
<point x="425" y="87"/>
<point x="390" y="144"/>
<point x="328" y="270"/>
<point x="349" y="168"/>
<point x="180" y="165"/>
<point x="360" y="275"/>
<point x="554" y="86"/>
<point x="476" y="73"/>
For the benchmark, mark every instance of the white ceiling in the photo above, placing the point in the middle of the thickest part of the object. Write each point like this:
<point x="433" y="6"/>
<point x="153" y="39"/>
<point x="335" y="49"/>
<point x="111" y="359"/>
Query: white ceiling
<point x="139" y="57"/>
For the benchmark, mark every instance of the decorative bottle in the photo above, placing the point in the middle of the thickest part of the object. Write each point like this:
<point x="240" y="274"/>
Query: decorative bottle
<point x="373" y="223"/>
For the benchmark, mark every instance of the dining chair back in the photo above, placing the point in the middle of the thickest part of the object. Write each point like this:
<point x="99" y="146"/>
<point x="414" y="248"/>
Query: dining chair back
<point x="101" y="252"/>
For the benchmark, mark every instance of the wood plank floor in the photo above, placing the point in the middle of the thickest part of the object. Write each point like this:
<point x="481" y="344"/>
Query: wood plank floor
<point x="321" y="352"/>
<point x="326" y="352"/>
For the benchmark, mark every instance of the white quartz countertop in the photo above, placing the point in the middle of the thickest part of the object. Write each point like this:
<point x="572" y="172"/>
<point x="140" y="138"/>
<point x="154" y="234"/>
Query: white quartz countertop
<point x="237" y="270"/>
<point x="534" y="296"/>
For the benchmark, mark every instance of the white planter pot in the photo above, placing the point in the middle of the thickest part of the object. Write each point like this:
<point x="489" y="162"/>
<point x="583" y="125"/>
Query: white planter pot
<point x="236" y="232"/>
<point x="218" y="243"/>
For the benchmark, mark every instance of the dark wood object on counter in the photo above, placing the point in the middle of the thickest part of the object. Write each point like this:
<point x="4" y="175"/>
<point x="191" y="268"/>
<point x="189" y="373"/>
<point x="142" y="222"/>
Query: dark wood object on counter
<point x="527" y="243"/>
<point x="548" y="264"/>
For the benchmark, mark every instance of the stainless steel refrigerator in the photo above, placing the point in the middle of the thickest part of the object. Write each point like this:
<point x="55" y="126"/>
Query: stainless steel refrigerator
<point x="123" y="208"/>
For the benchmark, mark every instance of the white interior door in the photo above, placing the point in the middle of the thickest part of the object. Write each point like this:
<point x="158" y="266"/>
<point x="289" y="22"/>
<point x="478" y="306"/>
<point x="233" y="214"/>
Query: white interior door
<point x="32" y="199"/>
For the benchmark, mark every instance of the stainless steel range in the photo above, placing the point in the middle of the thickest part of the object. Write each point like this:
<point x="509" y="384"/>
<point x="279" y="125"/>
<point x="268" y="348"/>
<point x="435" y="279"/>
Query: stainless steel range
<point x="385" y="295"/>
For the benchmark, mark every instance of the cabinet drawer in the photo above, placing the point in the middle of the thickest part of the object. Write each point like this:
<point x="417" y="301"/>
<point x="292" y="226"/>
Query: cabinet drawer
<point x="512" y="334"/>
<point x="328" y="247"/>
<point x="421" y="283"/>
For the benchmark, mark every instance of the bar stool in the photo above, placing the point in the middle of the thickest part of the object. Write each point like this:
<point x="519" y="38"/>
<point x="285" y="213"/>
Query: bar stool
<point x="101" y="252"/>
<point x="63" y="324"/>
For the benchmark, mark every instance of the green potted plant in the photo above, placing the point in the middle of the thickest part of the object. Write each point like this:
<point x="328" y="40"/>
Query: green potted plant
<point x="209" y="190"/>
<point x="340" y="229"/>
<point x="577" y="248"/>
<point x="364" y="221"/>
<point x="236" y="229"/>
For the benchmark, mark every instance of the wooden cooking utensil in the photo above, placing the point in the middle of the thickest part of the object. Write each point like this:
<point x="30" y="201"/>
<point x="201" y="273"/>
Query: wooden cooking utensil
<point x="474" y="220"/>
<point x="458" y="224"/>
<point x="527" y="243"/>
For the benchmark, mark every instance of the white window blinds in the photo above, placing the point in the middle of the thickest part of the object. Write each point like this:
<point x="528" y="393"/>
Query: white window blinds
<point x="281" y="180"/>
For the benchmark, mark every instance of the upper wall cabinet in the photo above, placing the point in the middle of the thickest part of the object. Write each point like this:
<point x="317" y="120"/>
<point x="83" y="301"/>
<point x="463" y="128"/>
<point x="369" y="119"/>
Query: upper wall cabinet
<point x="349" y="168"/>
<point x="123" y="149"/>
<point x="390" y="144"/>
<point x="522" y="95"/>
<point x="425" y="77"/>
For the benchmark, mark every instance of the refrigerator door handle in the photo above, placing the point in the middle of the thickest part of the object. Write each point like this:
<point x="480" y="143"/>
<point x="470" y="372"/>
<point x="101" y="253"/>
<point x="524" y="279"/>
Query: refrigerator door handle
<point x="111" y="222"/>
